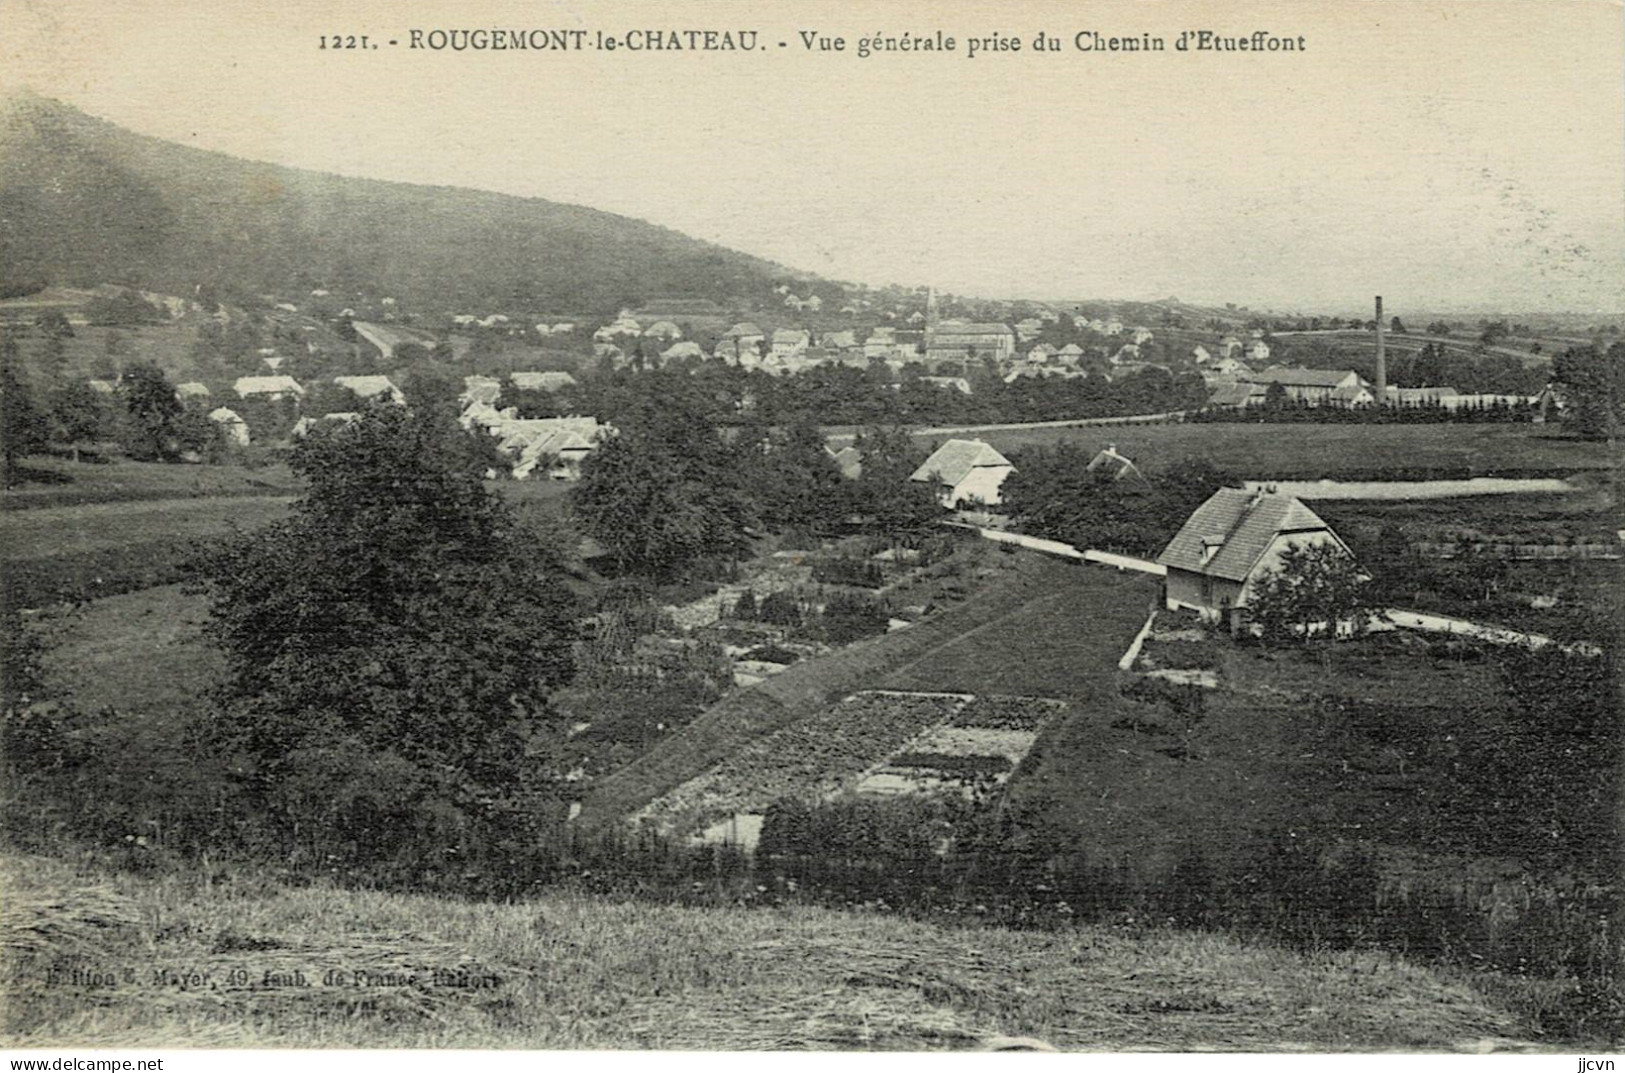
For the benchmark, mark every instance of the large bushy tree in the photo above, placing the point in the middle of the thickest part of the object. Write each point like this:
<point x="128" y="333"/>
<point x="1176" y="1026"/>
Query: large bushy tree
<point x="392" y="646"/>
<point x="23" y="427"/>
<point x="665" y="492"/>
<point x="1595" y="382"/>
<point x="1317" y="591"/>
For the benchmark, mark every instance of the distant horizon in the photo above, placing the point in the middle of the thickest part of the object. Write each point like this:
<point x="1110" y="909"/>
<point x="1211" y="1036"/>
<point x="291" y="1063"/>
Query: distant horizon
<point x="1290" y="185"/>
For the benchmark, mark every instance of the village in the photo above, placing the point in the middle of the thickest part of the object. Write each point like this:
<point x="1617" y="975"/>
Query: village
<point x="539" y="597"/>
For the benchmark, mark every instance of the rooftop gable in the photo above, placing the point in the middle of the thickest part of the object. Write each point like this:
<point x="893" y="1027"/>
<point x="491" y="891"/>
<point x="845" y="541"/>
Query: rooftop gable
<point x="1241" y="525"/>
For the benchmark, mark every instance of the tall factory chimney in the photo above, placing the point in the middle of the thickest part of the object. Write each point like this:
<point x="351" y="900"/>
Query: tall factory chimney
<point x="1382" y="368"/>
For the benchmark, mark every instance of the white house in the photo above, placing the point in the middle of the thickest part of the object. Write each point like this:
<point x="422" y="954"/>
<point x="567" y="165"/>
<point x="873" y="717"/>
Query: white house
<point x="550" y="381"/>
<point x="484" y="390"/>
<point x="371" y="387"/>
<point x="1229" y="543"/>
<point x="563" y="442"/>
<point x="965" y="471"/>
<point x="231" y="425"/>
<point x="789" y="342"/>
<point x="268" y="387"/>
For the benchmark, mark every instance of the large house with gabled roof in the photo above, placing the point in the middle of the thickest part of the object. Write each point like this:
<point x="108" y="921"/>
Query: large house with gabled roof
<point x="1231" y="541"/>
<point x="965" y="472"/>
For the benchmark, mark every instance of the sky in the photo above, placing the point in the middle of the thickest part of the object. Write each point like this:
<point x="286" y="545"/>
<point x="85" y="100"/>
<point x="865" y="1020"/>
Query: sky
<point x="1464" y="155"/>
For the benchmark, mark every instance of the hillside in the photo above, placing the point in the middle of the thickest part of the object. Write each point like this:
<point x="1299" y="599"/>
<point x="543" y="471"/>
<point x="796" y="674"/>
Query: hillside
<point x="86" y="202"/>
<point x="251" y="963"/>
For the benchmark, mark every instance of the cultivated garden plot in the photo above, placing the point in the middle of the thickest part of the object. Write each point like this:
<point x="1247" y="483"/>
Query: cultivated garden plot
<point x="974" y="753"/>
<point x="813" y="759"/>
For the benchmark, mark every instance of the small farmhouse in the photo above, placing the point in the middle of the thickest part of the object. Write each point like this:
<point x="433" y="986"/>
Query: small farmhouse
<point x="480" y="389"/>
<point x="789" y="342"/>
<point x="549" y="381"/>
<point x="232" y="426"/>
<point x="1111" y="464"/>
<point x="371" y="387"/>
<point x="965" y="471"/>
<point x="561" y="442"/>
<point x="267" y="387"/>
<point x="1233" y="539"/>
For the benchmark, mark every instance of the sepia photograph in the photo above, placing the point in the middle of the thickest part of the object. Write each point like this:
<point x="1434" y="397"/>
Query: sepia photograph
<point x="844" y="525"/>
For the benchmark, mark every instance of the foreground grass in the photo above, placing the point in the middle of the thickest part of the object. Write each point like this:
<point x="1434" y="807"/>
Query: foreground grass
<point x="211" y="966"/>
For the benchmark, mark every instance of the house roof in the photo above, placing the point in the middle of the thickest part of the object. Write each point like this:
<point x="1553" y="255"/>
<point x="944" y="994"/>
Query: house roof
<point x="1243" y="524"/>
<point x="368" y="386"/>
<point x="552" y="381"/>
<point x="664" y="327"/>
<point x="481" y="389"/>
<point x="386" y="337"/>
<point x="1108" y="460"/>
<point x="191" y="387"/>
<point x="266" y="385"/>
<point x="957" y="328"/>
<point x="850" y="461"/>
<point x="1234" y="394"/>
<point x="1072" y="349"/>
<point x="954" y="460"/>
<point x="521" y="434"/>
<point x="1327" y="378"/>
<point x="743" y="329"/>
<point x="789" y="335"/>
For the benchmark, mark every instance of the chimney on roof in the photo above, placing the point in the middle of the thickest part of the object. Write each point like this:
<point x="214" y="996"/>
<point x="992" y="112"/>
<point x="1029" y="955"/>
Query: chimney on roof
<point x="1382" y="368"/>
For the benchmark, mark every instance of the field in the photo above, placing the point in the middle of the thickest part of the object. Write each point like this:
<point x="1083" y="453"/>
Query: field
<point x="565" y="972"/>
<point x="108" y="548"/>
<point x="140" y="652"/>
<point x="812" y="759"/>
<point x="1261" y="451"/>
<point x="55" y="482"/>
<point x="1136" y="783"/>
<point x="1034" y="627"/>
<point x="101" y="529"/>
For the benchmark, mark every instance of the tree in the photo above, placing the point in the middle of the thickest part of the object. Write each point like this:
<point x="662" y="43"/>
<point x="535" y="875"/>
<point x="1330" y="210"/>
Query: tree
<point x="77" y="415"/>
<point x="391" y="648"/>
<point x="1317" y="591"/>
<point x="794" y="480"/>
<point x="664" y="493"/>
<point x="23" y="427"/>
<point x="901" y="508"/>
<point x="153" y="413"/>
<point x="1396" y="326"/>
<point x="1595" y="384"/>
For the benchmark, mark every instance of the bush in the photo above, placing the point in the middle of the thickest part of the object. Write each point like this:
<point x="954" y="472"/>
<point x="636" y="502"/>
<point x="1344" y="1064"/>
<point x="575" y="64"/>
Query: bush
<point x="857" y="572"/>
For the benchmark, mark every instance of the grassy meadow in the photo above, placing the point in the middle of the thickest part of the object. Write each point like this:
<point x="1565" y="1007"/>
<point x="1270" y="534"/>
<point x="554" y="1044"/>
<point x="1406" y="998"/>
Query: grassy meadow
<point x="254" y="964"/>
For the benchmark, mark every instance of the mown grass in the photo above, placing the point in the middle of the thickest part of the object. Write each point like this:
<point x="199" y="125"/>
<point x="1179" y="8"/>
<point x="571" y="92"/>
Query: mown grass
<point x="142" y="653"/>
<point x="1064" y="643"/>
<point x="565" y="971"/>
<point x="103" y="549"/>
<point x="57" y="482"/>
